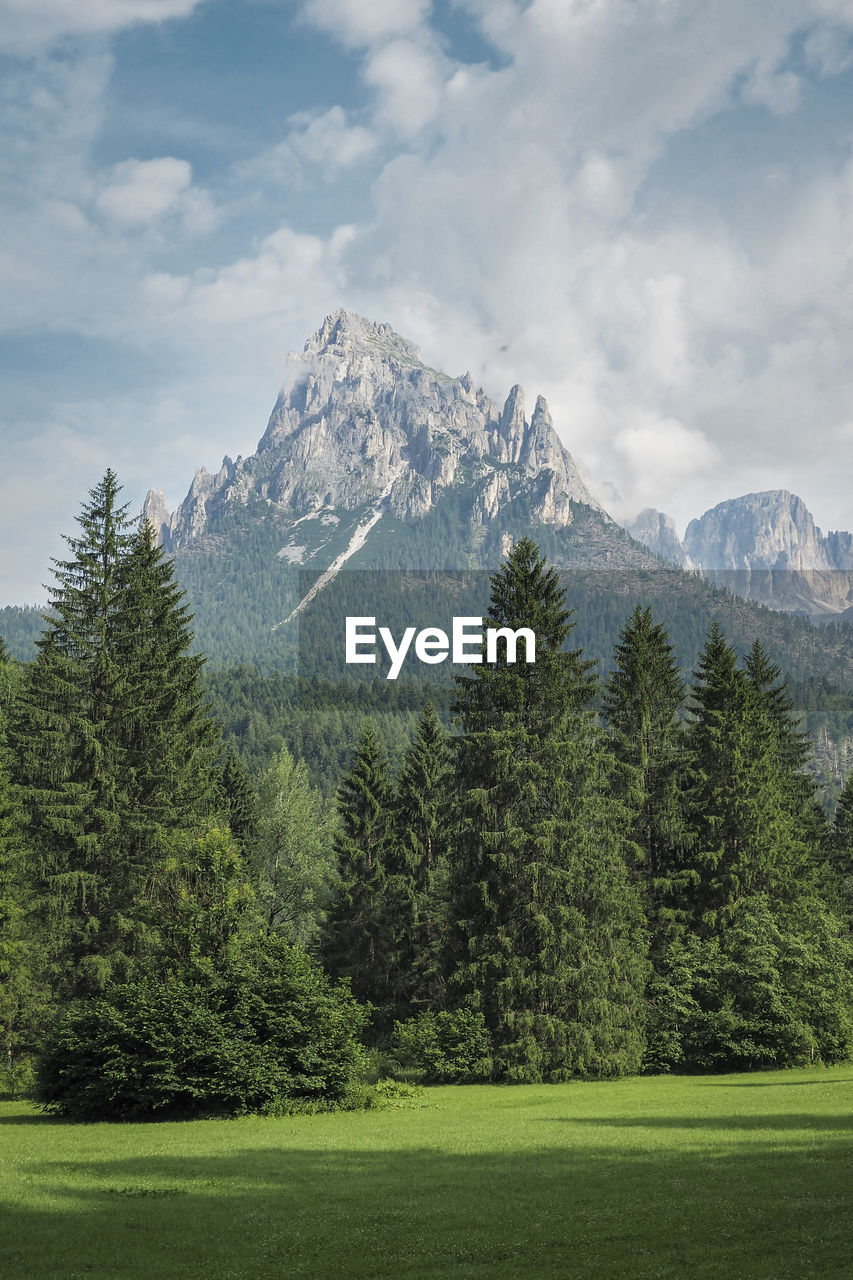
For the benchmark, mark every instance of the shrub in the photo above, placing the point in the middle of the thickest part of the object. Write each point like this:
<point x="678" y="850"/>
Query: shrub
<point x="446" y="1048"/>
<point x="266" y="1032"/>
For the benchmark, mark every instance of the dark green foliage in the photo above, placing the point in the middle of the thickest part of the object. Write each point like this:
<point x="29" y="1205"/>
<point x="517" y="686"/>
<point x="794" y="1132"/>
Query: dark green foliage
<point x="642" y="702"/>
<point x="448" y="1047"/>
<point x="762" y="976"/>
<point x="358" y="936"/>
<point x="316" y="720"/>
<point x="266" y="1032"/>
<point x="241" y="799"/>
<point x="21" y="626"/>
<point x="773" y="989"/>
<point x="790" y="744"/>
<point x="546" y="932"/>
<point x="418" y="869"/>
<point x="201" y="897"/>
<point x="840" y="856"/>
<point x="747" y="839"/>
<point x="114" y="746"/>
<point x="23" y="995"/>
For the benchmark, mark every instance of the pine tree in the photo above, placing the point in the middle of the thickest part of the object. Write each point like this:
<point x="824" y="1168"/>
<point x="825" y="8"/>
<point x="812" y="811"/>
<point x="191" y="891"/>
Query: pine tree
<point x="241" y="799"/>
<point x="113" y="745"/>
<point x="546" y="931"/>
<point x="22" y="992"/>
<point x="743" y="833"/>
<point x="417" y="868"/>
<point x="739" y="979"/>
<point x="170" y="740"/>
<point x="357" y="941"/>
<point x="642" y="699"/>
<point x="792" y="747"/>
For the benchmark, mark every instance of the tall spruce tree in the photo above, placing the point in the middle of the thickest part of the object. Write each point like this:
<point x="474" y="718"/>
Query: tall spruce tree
<point x="417" y="868"/>
<point x="792" y="746"/>
<point x="747" y="841"/>
<point x="642" y="699"/>
<point x="761" y="977"/>
<point x="22" y="992"/>
<point x="358" y="935"/>
<point x="241" y="799"/>
<point x="546" y="934"/>
<point x="113" y="745"/>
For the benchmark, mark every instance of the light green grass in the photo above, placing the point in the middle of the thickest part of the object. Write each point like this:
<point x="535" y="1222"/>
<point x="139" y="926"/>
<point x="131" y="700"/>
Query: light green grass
<point x="731" y="1177"/>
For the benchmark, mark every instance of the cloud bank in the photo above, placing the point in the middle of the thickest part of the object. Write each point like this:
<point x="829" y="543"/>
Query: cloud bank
<point x="642" y="209"/>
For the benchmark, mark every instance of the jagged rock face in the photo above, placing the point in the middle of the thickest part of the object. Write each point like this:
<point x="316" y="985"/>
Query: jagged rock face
<point x="772" y="530"/>
<point x="764" y="546"/>
<point x="657" y="531"/>
<point x="363" y="419"/>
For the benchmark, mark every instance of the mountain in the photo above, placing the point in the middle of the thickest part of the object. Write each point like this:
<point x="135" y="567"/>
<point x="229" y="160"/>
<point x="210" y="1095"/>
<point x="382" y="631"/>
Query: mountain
<point x="658" y="532"/>
<point x="765" y="547"/>
<point x="373" y="460"/>
<point x="363" y="421"/>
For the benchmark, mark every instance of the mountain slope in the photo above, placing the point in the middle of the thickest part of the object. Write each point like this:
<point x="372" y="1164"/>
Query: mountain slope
<point x="372" y="460"/>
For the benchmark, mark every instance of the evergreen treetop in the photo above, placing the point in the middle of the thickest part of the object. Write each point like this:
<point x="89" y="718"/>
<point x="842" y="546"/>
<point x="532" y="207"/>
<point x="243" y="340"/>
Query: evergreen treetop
<point x="642" y="701"/>
<point x="114" y="747"/>
<point x="545" y="933"/>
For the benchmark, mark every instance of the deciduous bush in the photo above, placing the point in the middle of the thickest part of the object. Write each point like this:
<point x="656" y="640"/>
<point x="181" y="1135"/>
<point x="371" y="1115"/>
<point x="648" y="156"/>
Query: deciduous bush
<point x="266" y="1032"/>
<point x="448" y="1048"/>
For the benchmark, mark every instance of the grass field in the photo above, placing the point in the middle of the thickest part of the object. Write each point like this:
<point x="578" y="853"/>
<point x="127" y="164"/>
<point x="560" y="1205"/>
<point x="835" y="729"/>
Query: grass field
<point x="730" y="1177"/>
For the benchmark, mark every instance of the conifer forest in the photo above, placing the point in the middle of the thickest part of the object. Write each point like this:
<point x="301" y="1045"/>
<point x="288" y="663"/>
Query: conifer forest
<point x="540" y="875"/>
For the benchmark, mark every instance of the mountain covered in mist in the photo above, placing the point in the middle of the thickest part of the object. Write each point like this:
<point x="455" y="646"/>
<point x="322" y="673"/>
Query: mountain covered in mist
<point x="764" y="546"/>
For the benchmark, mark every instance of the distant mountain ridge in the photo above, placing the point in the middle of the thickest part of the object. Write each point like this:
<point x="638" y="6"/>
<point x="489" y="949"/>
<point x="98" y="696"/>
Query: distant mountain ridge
<point x="373" y="460"/>
<point x="768" y="548"/>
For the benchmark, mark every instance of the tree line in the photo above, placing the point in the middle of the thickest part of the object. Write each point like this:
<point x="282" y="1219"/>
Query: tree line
<point x="544" y="894"/>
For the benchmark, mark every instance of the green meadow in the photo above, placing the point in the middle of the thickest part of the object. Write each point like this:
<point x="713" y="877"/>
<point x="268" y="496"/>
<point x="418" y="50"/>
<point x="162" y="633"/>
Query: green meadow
<point x="724" y="1176"/>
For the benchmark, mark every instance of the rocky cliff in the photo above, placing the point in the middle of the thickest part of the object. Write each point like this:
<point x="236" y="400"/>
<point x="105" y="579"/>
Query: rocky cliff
<point x="362" y="420"/>
<point x="764" y="546"/>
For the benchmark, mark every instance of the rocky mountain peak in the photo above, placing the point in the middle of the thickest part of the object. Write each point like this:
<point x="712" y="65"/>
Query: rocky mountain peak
<point x="765" y="546"/>
<point x="347" y="332"/>
<point x="362" y="419"/>
<point x="657" y="531"/>
<point x="773" y="529"/>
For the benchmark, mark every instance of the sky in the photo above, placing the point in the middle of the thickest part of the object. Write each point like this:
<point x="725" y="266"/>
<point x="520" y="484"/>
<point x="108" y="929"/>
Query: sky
<point x="641" y="209"/>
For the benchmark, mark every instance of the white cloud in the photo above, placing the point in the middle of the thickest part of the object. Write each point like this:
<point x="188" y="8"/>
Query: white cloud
<point x="508" y="237"/>
<point x="663" y="452"/>
<point x="768" y="85"/>
<point x="359" y="23"/>
<point x="518" y="226"/>
<point x="326" y="140"/>
<point x="27" y="25"/>
<point x="828" y="50"/>
<point x="410" y="82"/>
<point x="141" y="191"/>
